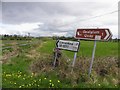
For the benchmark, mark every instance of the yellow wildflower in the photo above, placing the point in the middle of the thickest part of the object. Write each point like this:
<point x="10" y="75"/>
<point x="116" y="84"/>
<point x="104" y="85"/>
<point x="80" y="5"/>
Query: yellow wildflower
<point x="23" y="78"/>
<point x="98" y="84"/>
<point x="116" y="85"/>
<point x="39" y="79"/>
<point x="29" y="84"/>
<point x="58" y="81"/>
<point x="50" y="80"/>
<point x="52" y="85"/>
<point x="32" y="74"/>
<point x="34" y="80"/>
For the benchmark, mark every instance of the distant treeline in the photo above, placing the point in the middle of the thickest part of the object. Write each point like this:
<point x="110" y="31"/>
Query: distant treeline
<point x="72" y="38"/>
<point x="18" y="37"/>
<point x="14" y="37"/>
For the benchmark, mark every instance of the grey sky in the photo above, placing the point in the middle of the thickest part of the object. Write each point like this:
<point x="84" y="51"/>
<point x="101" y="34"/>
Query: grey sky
<point x="19" y="12"/>
<point x="56" y="18"/>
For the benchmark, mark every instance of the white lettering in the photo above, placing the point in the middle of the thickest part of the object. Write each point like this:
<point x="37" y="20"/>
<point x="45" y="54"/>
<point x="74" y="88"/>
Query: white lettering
<point x="90" y="32"/>
<point x="88" y="36"/>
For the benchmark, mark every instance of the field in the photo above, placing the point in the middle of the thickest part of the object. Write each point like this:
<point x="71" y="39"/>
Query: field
<point x="30" y="65"/>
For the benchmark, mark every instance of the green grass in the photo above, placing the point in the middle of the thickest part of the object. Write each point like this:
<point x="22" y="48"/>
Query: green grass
<point x="103" y="49"/>
<point x="16" y="72"/>
<point x="47" y="47"/>
<point x="19" y="62"/>
<point x="0" y="74"/>
<point x="22" y="80"/>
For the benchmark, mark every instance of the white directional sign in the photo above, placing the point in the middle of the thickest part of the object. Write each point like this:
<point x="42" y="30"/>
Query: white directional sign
<point x="68" y="45"/>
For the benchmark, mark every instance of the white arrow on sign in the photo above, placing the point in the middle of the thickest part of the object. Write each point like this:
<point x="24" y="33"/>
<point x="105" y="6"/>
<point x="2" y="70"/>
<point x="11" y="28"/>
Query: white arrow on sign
<point x="108" y="35"/>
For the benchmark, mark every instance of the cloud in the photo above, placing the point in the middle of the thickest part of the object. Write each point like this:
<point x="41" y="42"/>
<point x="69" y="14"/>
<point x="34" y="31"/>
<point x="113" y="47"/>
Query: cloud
<point x="0" y="12"/>
<point x="21" y="29"/>
<point x="56" y="18"/>
<point x="60" y="34"/>
<point x="22" y="12"/>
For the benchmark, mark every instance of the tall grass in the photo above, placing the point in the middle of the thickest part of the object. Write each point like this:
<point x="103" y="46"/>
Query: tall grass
<point x="32" y="67"/>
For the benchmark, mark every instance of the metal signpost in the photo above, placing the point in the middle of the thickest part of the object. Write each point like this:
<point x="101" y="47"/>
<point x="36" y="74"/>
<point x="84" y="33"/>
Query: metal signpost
<point x="93" y="54"/>
<point x="75" y="55"/>
<point x="69" y="45"/>
<point x="101" y="34"/>
<point x="73" y="63"/>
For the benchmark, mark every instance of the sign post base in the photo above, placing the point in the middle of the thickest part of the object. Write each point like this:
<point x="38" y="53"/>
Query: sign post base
<point x="75" y="55"/>
<point x="91" y="63"/>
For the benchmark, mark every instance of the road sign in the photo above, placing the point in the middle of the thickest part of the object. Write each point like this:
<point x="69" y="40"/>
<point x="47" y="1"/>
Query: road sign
<point x="94" y="34"/>
<point x="68" y="45"/>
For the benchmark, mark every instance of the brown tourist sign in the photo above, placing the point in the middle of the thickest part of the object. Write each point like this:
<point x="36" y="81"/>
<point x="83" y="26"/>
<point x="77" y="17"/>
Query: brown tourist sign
<point x="94" y="34"/>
